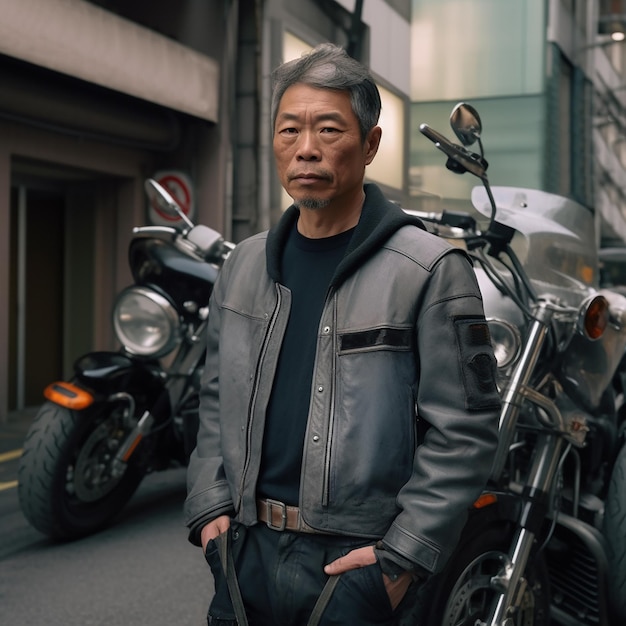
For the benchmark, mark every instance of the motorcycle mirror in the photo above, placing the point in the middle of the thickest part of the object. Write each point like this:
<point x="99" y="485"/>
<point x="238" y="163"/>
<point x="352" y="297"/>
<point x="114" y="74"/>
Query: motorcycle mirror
<point x="465" y="123"/>
<point x="158" y="195"/>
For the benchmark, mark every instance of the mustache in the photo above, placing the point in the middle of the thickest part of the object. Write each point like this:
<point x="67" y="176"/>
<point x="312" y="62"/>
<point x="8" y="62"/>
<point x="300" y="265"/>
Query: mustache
<point x="318" y="173"/>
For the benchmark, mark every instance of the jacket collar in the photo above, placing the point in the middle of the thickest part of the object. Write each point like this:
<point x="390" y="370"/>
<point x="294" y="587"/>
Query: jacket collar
<point x="379" y="219"/>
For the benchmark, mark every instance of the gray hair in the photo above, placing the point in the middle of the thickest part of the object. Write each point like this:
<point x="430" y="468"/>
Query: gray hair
<point x="329" y="67"/>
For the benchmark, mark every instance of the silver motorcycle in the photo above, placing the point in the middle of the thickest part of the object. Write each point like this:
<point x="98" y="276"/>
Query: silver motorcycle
<point x="546" y="541"/>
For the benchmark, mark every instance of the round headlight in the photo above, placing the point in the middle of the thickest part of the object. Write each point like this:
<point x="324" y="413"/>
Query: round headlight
<point x="506" y="342"/>
<point x="145" y="322"/>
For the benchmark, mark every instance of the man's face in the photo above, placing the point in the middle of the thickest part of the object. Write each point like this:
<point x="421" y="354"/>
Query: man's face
<point x="320" y="156"/>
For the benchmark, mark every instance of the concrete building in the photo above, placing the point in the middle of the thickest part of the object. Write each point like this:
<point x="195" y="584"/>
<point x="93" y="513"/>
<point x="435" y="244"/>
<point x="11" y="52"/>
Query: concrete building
<point x="99" y="95"/>
<point x="548" y="78"/>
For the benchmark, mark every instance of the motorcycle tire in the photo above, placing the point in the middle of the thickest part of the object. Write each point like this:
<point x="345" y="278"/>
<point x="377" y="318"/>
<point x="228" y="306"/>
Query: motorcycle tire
<point x="462" y="594"/>
<point x="615" y="532"/>
<point x="64" y="489"/>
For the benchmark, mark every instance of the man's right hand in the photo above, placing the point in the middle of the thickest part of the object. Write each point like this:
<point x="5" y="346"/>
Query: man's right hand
<point x="218" y="526"/>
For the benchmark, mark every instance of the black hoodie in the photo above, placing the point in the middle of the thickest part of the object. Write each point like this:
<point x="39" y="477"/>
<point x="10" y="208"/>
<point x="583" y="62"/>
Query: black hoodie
<point x="379" y="219"/>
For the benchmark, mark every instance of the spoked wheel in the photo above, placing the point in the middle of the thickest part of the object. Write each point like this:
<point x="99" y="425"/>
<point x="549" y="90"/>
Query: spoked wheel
<point x="67" y="486"/>
<point x="615" y="531"/>
<point x="467" y="590"/>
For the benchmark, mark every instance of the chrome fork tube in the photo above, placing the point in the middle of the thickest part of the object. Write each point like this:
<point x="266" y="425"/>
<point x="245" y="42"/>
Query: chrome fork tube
<point x="510" y="582"/>
<point x="512" y="398"/>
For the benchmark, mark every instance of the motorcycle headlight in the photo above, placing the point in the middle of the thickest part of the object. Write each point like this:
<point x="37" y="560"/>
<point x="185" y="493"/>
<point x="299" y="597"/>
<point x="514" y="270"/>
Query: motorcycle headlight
<point x="506" y="342"/>
<point x="145" y="322"/>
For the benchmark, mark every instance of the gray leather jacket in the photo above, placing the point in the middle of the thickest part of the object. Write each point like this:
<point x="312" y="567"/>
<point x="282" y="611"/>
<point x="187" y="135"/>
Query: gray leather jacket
<point x="404" y="406"/>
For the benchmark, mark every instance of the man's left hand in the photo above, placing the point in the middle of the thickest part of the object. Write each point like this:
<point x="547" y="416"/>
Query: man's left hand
<point x="362" y="557"/>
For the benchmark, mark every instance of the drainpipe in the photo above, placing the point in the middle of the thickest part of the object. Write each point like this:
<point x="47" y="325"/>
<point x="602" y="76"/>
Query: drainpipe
<point x="355" y="40"/>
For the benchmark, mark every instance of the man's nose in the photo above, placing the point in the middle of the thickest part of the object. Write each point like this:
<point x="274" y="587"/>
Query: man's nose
<point x="308" y="147"/>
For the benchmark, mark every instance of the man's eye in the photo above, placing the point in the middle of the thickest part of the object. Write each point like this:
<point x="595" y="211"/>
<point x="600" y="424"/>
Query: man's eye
<point x="330" y="129"/>
<point x="288" y="131"/>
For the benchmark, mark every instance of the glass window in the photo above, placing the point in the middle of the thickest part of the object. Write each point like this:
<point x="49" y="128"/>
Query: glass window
<point x="294" y="47"/>
<point x="387" y="167"/>
<point x="485" y="48"/>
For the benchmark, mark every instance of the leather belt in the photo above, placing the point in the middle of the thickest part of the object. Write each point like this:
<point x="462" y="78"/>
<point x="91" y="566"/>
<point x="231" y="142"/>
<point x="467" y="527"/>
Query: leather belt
<point x="280" y="516"/>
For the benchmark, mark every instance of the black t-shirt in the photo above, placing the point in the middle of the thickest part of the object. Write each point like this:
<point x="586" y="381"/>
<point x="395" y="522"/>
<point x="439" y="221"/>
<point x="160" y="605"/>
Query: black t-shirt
<point x="307" y="268"/>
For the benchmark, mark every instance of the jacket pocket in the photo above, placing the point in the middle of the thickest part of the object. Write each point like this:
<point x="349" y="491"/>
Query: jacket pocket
<point x="374" y="431"/>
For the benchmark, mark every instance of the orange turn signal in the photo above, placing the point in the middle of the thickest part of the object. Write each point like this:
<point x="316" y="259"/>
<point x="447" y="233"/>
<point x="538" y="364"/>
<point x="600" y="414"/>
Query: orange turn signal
<point x="68" y="395"/>
<point x="596" y="317"/>
<point x="486" y="499"/>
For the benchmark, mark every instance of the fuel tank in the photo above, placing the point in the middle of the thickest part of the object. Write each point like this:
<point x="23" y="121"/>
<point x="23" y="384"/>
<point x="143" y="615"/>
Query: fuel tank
<point x="161" y="263"/>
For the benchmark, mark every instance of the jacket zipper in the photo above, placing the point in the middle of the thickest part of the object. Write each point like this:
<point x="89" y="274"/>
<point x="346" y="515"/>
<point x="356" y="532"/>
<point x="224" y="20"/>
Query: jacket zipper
<point x="255" y="391"/>
<point x="331" y="417"/>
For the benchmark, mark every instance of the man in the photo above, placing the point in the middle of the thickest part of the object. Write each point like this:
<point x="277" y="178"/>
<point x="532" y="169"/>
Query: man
<point x="349" y="406"/>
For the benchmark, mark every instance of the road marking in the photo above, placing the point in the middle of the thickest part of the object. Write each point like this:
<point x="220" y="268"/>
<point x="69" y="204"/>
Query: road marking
<point x="10" y="455"/>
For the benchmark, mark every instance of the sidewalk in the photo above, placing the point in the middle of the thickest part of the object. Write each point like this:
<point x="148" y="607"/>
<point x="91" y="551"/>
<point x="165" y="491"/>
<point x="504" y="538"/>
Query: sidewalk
<point x="13" y="431"/>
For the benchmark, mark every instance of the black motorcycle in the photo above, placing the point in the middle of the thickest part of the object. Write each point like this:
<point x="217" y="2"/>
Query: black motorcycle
<point x="127" y="413"/>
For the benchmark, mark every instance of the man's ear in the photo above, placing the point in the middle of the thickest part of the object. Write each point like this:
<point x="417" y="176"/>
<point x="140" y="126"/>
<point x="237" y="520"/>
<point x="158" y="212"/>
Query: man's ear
<point x="372" y="141"/>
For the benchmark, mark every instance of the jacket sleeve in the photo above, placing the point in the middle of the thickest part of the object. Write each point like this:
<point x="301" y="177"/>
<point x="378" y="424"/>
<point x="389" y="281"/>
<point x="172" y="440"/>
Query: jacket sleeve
<point x="208" y="493"/>
<point x="458" y="403"/>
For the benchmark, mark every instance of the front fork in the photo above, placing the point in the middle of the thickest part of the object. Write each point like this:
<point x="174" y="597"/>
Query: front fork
<point x="161" y="409"/>
<point x="510" y="583"/>
<point x="125" y="451"/>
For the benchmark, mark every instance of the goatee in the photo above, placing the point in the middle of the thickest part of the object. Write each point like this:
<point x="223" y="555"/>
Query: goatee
<point x="312" y="203"/>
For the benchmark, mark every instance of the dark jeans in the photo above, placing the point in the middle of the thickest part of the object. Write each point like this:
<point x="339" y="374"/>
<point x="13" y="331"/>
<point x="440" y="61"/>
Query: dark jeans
<point x="281" y="576"/>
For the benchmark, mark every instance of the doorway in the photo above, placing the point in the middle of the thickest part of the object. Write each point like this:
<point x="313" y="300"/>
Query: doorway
<point x="51" y="282"/>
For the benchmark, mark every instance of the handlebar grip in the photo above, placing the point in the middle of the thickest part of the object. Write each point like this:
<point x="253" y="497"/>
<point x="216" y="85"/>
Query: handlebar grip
<point x="433" y="135"/>
<point x="154" y="230"/>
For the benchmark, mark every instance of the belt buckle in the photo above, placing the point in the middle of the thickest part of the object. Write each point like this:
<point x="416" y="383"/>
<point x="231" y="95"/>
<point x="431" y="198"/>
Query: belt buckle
<point x="283" y="514"/>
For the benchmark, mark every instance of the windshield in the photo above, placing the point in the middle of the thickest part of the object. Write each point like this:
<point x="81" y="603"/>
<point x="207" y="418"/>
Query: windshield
<point x="555" y="236"/>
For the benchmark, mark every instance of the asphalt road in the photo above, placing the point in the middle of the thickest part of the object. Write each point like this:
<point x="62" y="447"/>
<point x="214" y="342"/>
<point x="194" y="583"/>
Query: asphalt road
<point x="140" y="571"/>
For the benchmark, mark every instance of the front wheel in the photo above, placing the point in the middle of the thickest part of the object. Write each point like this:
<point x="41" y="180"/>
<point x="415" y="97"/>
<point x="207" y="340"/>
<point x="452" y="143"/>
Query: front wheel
<point x="65" y="485"/>
<point x="615" y="532"/>
<point x="465" y="592"/>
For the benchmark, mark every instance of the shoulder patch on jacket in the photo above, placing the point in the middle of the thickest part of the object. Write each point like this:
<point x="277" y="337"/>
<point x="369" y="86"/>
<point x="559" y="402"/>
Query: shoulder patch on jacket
<point x="478" y="363"/>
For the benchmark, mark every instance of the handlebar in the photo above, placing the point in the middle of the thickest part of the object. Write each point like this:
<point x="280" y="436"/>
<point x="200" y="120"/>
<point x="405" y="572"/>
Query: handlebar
<point x="155" y="231"/>
<point x="199" y="242"/>
<point x="459" y="220"/>
<point x="474" y="164"/>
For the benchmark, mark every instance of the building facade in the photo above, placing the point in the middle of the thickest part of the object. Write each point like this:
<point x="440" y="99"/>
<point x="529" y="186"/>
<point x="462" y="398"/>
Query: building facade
<point x="549" y="81"/>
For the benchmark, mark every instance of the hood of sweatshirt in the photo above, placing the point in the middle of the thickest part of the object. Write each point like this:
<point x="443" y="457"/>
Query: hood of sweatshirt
<point x="379" y="219"/>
